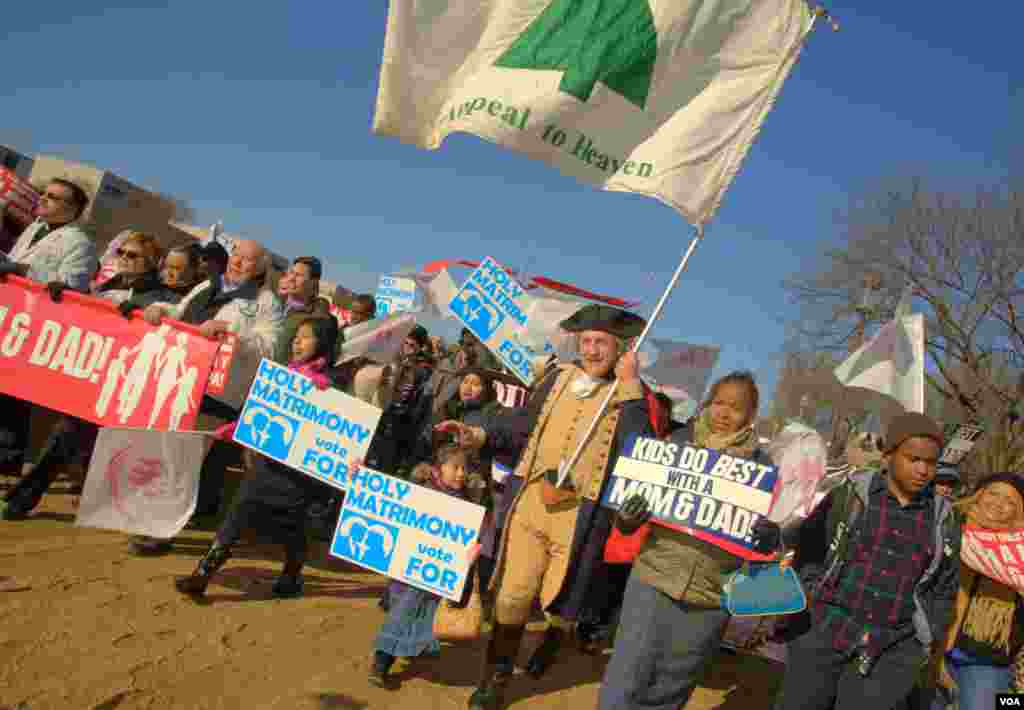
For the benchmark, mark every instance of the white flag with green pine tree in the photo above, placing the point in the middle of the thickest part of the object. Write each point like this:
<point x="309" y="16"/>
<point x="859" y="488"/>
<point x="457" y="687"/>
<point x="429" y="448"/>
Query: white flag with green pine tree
<point x="658" y="97"/>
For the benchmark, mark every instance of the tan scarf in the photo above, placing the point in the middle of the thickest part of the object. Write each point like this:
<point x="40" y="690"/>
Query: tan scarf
<point x="988" y="617"/>
<point x="741" y="443"/>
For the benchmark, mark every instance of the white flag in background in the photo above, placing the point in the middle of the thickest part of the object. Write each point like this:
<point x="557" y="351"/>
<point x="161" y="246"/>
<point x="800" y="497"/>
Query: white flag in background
<point x="438" y="290"/>
<point x="546" y="312"/>
<point x="891" y="363"/>
<point x="658" y="97"/>
<point x="379" y="339"/>
<point x="142" y="481"/>
<point x="682" y="366"/>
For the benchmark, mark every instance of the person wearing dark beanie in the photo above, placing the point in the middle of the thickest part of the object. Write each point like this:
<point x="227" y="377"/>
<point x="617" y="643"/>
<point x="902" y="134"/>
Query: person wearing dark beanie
<point x="911" y="425"/>
<point x="880" y="559"/>
<point x="912" y="446"/>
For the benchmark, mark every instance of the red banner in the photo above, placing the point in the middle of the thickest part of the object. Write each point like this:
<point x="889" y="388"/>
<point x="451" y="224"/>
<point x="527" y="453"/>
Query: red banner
<point x="221" y="368"/>
<point x="82" y="357"/>
<point x="998" y="554"/>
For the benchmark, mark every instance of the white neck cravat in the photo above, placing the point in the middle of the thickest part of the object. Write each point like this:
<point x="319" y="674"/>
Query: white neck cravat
<point x="584" y="385"/>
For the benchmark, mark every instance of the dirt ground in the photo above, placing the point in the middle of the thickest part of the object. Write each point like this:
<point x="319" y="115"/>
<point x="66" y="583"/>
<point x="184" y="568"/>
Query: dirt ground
<point x="85" y="624"/>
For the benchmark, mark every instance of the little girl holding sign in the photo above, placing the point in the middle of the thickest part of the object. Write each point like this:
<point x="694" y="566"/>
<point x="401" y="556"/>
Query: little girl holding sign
<point x="408" y="631"/>
<point x="672" y="618"/>
<point x="274" y="497"/>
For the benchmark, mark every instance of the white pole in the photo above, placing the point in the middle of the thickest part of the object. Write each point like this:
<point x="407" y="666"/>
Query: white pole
<point x="567" y="466"/>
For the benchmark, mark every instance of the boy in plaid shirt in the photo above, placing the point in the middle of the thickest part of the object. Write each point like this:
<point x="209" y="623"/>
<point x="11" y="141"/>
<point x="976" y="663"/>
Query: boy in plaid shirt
<point x="880" y="559"/>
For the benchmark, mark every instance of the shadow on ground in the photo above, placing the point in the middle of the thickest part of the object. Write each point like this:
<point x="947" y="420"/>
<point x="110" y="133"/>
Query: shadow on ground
<point x="337" y="701"/>
<point x="733" y="673"/>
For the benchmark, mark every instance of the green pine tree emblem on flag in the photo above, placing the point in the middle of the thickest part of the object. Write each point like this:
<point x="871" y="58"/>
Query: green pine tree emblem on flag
<point x="613" y="42"/>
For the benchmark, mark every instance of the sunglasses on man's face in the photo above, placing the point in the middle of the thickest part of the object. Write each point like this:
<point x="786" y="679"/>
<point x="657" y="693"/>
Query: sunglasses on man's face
<point x="129" y="255"/>
<point x="53" y="197"/>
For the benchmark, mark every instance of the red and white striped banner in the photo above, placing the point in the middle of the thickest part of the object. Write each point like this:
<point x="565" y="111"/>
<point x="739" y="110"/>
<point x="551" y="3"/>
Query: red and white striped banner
<point x="998" y="554"/>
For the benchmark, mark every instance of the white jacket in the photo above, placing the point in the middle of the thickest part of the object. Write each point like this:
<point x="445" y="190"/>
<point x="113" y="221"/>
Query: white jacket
<point x="66" y="254"/>
<point x="257" y="322"/>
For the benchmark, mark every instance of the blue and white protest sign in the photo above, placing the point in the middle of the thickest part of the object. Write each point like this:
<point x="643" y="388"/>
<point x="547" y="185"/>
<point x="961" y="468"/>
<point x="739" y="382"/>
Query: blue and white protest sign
<point x="317" y="432"/>
<point x="394" y="294"/>
<point x="495" y="308"/>
<point x="411" y="533"/>
<point x="706" y="493"/>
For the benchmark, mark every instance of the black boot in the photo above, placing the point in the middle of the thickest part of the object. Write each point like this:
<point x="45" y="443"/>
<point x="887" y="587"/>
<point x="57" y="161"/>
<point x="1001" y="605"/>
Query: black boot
<point x="499" y="662"/>
<point x="545" y="654"/>
<point x="144" y="545"/>
<point x="196" y="583"/>
<point x="588" y="637"/>
<point x="379" y="671"/>
<point x="289" y="584"/>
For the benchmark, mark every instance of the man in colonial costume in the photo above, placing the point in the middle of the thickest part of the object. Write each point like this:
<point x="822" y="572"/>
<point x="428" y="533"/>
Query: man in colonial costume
<point x="554" y="535"/>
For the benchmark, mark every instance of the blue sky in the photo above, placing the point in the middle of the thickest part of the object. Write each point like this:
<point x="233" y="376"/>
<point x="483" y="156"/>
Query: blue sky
<point x="259" y="115"/>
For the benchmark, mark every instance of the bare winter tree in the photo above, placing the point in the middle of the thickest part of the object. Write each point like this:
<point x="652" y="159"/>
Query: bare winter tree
<point x="804" y="389"/>
<point x="808" y="391"/>
<point x="963" y="257"/>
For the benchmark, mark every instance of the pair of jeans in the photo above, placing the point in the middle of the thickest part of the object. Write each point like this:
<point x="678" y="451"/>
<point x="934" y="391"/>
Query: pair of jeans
<point x="661" y="651"/>
<point x="70" y="436"/>
<point x="221" y="455"/>
<point x="14" y="430"/>
<point x="977" y="683"/>
<point x="274" y="500"/>
<point x="818" y="677"/>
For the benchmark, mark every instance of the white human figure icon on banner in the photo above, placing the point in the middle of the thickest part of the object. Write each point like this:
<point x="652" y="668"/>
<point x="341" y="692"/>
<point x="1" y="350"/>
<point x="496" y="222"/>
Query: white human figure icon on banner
<point x="146" y="354"/>
<point x="170" y="368"/>
<point x="115" y="371"/>
<point x="183" y="401"/>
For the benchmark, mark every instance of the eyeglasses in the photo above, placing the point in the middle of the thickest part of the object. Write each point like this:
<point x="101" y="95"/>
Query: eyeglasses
<point x="130" y="255"/>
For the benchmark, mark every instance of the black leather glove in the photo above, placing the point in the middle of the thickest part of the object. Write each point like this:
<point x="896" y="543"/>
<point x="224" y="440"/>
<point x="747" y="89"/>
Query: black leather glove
<point x="56" y="289"/>
<point x="766" y="537"/>
<point x="7" y="268"/>
<point x="126" y="308"/>
<point x="633" y="513"/>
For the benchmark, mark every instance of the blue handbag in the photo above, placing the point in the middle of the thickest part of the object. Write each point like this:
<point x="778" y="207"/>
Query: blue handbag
<point x="763" y="589"/>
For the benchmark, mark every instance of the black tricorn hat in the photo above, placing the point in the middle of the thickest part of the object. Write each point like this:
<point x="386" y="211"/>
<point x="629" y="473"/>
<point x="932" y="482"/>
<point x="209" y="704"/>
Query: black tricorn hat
<point x="213" y="250"/>
<point x="607" y="319"/>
